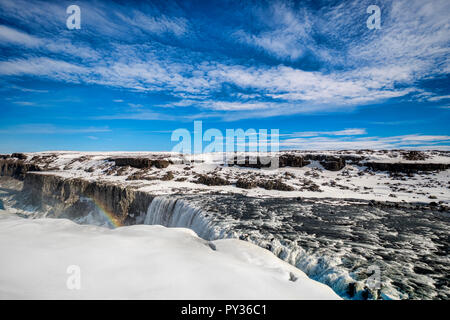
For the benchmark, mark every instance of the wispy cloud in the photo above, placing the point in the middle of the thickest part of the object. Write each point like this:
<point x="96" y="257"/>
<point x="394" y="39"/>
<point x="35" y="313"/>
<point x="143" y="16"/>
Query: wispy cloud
<point x="371" y="67"/>
<point x="12" y="36"/>
<point x="438" y="98"/>
<point x="50" y="129"/>
<point x="24" y="103"/>
<point x="346" y="132"/>
<point x="415" y="141"/>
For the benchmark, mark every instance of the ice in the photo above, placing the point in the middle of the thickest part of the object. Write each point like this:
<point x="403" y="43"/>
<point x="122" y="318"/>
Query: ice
<point x="139" y="262"/>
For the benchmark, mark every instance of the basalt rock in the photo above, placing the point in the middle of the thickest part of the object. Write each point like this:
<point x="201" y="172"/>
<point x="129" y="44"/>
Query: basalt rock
<point x="274" y="185"/>
<point x="251" y="162"/>
<point x="333" y="165"/>
<point x="290" y="160"/>
<point x="246" y="184"/>
<point x="72" y="197"/>
<point x="212" y="180"/>
<point x="406" y="167"/>
<point x="414" y="155"/>
<point x="16" y="168"/>
<point x="285" y="160"/>
<point x="140" y="162"/>
<point x="19" y="156"/>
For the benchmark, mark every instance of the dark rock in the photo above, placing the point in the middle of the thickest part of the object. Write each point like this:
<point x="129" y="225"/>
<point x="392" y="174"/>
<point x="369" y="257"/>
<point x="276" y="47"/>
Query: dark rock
<point x="68" y="196"/>
<point x="406" y="167"/>
<point x="414" y="156"/>
<point x="333" y="165"/>
<point x="246" y="184"/>
<point x="167" y="176"/>
<point x="16" y="168"/>
<point x="285" y="160"/>
<point x="19" y="156"/>
<point x="351" y="289"/>
<point x="141" y="163"/>
<point x="212" y="180"/>
<point x="290" y="160"/>
<point x="160" y="164"/>
<point x="251" y="162"/>
<point x="292" y="277"/>
<point x="274" y="185"/>
<point x="133" y="162"/>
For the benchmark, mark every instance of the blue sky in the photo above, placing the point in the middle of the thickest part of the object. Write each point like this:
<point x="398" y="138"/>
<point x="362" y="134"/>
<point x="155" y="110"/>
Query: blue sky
<point x="135" y="72"/>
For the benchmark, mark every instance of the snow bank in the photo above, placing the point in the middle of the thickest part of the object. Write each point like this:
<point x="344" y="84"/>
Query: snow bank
<point x="139" y="262"/>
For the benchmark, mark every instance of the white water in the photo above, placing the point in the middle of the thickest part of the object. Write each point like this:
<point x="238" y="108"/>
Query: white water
<point x="172" y="212"/>
<point x="178" y="213"/>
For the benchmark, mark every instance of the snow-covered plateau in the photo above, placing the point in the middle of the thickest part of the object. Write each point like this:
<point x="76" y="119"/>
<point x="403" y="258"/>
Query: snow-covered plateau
<point x="342" y="218"/>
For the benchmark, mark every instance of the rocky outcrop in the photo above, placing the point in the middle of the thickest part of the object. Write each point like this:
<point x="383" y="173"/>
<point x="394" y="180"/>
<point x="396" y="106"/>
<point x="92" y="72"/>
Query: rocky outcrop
<point x="19" y="156"/>
<point x="141" y="162"/>
<point x="285" y="160"/>
<point x="212" y="180"/>
<point x="67" y="197"/>
<point x="414" y="155"/>
<point x="330" y="162"/>
<point x="16" y="168"/>
<point x="246" y="183"/>
<point x="265" y="184"/>
<point x="406" y="167"/>
<point x="291" y="160"/>
<point x="274" y="185"/>
<point x="251" y="162"/>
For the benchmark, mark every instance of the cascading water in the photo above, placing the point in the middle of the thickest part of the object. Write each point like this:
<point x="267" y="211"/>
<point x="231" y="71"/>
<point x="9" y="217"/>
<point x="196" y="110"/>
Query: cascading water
<point x="173" y="212"/>
<point x="178" y="213"/>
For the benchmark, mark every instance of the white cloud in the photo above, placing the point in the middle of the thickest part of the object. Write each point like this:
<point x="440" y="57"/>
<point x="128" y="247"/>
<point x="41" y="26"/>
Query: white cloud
<point x="415" y="141"/>
<point x="346" y="132"/>
<point x="13" y="36"/>
<point x="412" y="45"/>
<point x="159" y="25"/>
<point x="50" y="129"/>
<point x="438" y="98"/>
<point x="24" y="103"/>
<point x="56" y="69"/>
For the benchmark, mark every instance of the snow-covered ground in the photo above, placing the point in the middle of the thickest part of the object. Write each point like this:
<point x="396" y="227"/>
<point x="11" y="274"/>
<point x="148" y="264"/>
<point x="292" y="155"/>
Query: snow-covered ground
<point x="353" y="181"/>
<point x="42" y="258"/>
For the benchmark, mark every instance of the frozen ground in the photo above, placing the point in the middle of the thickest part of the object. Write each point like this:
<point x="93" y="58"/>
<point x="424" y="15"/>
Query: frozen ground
<point x="139" y="262"/>
<point x="354" y="181"/>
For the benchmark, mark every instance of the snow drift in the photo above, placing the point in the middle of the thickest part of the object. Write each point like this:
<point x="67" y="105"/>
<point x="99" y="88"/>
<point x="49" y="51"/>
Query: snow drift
<point x="140" y="262"/>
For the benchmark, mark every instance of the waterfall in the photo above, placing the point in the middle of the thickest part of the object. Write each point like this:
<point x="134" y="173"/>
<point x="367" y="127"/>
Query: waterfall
<point x="178" y="213"/>
<point x="173" y="212"/>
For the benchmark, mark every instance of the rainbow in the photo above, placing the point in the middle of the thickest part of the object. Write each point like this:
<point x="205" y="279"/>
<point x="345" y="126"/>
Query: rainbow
<point x="108" y="215"/>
